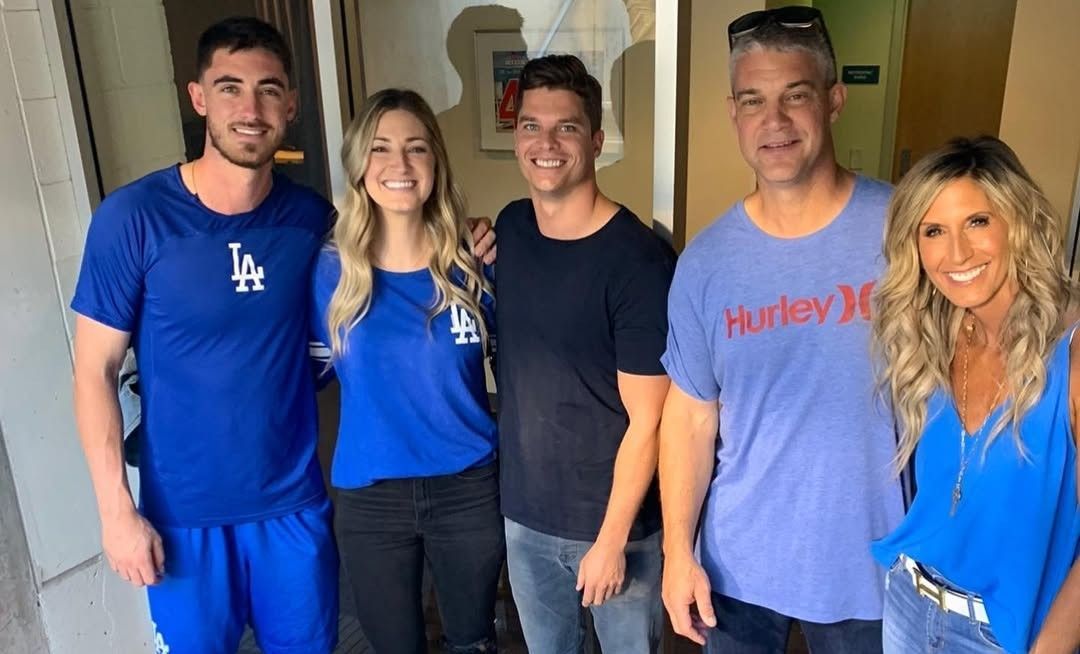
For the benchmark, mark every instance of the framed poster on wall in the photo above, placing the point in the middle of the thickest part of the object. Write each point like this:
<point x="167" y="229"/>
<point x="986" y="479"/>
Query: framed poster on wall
<point x="499" y="59"/>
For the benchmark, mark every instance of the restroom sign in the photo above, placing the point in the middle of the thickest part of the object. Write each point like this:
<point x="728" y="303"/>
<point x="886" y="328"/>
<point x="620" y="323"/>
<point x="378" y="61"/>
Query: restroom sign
<point x="507" y="106"/>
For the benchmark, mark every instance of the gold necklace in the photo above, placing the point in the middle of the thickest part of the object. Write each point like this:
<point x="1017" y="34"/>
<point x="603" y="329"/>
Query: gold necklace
<point x="194" y="186"/>
<point x="965" y="456"/>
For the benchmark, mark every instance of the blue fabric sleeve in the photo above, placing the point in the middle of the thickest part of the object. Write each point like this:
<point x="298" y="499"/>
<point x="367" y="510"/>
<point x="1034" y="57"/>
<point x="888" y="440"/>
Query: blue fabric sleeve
<point x="110" y="283"/>
<point x="688" y="359"/>
<point x="319" y="339"/>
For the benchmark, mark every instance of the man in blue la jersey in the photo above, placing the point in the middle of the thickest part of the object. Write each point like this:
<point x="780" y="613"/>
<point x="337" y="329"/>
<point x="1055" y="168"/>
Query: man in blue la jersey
<point x="204" y="267"/>
<point x="770" y="421"/>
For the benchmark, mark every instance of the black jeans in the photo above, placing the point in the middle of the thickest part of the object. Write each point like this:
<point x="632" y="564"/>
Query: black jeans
<point x="388" y="530"/>
<point x="743" y="628"/>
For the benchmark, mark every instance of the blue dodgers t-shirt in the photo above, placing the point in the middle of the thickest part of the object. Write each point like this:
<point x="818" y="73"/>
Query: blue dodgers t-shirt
<point x="413" y="395"/>
<point x="777" y="330"/>
<point x="217" y="310"/>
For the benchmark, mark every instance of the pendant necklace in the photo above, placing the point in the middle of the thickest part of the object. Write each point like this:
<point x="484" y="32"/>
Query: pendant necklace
<point x="965" y="456"/>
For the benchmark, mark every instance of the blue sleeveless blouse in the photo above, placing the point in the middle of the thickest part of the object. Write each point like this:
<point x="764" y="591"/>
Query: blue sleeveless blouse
<point x="1016" y="532"/>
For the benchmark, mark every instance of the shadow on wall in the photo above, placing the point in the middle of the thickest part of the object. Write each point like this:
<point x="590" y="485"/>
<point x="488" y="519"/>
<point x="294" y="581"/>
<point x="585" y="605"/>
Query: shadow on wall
<point x="490" y="179"/>
<point x="629" y="180"/>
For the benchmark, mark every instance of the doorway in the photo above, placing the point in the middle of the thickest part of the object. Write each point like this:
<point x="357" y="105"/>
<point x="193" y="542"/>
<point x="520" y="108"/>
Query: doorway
<point x="952" y="81"/>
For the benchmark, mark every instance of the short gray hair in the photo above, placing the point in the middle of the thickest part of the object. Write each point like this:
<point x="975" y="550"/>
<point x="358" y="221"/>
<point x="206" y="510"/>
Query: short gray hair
<point x="773" y="36"/>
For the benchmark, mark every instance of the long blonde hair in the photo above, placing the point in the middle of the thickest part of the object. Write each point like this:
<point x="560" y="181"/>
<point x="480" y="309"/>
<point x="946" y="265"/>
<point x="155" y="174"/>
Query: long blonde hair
<point x="457" y="275"/>
<point x="915" y="327"/>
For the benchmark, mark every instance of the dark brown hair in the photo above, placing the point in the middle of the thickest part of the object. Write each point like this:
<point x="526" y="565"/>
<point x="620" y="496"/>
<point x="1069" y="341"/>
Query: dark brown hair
<point x="241" y="33"/>
<point x="567" y="73"/>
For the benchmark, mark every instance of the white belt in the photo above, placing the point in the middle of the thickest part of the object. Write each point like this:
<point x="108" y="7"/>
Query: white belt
<point x="949" y="600"/>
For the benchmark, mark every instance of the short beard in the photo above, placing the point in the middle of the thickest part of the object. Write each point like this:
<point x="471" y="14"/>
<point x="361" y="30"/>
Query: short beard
<point x="251" y="164"/>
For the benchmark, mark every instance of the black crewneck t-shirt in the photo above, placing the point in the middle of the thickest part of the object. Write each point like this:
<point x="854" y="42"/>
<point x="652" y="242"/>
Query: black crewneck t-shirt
<point x="570" y="314"/>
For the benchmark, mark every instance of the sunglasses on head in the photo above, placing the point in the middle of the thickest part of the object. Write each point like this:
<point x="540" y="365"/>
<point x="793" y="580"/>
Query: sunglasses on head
<point x="794" y="18"/>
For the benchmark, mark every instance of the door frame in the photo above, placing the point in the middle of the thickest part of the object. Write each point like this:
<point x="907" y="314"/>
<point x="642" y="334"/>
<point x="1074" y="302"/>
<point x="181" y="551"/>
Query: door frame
<point x="1072" y="237"/>
<point x="892" y="89"/>
<point x="326" y="20"/>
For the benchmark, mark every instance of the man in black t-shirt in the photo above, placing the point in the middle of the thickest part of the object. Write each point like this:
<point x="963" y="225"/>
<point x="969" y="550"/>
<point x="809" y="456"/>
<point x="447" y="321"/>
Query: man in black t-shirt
<point x="581" y="313"/>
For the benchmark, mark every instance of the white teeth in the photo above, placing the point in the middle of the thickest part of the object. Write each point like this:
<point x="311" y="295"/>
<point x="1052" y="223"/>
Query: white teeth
<point x="396" y="185"/>
<point x="968" y="275"/>
<point x="248" y="132"/>
<point x="548" y="163"/>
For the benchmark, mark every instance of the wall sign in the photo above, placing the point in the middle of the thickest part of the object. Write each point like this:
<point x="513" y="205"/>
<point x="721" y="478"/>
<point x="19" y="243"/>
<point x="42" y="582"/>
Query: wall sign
<point x="860" y="74"/>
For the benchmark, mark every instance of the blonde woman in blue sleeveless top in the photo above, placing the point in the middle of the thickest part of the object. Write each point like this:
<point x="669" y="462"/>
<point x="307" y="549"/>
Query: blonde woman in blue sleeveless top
<point x="979" y="361"/>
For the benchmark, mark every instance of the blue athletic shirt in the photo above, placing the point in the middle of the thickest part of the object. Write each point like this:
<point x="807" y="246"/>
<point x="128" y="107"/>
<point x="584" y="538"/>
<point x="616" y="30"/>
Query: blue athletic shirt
<point x="777" y="331"/>
<point x="216" y="307"/>
<point x="413" y="396"/>
<point x="1016" y="532"/>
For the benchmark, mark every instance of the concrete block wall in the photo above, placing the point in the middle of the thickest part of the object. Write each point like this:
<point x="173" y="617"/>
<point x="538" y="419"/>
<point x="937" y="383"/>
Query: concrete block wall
<point x="65" y="597"/>
<point x="127" y="65"/>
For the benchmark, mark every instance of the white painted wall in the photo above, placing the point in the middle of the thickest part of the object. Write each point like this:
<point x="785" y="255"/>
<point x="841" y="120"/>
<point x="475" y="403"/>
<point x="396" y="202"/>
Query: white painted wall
<point x="717" y="176"/>
<point x="862" y="35"/>
<point x="83" y="605"/>
<point x="428" y="46"/>
<point x="1038" y="115"/>
<point x="127" y="64"/>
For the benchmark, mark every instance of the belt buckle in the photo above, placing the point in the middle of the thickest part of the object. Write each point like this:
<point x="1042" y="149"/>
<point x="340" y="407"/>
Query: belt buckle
<point x="930" y="590"/>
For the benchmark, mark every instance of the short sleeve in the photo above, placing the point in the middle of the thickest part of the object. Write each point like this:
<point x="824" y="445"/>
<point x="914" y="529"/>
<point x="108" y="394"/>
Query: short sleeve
<point x="318" y="335"/>
<point x="688" y="358"/>
<point x="639" y="318"/>
<point x="112" y="275"/>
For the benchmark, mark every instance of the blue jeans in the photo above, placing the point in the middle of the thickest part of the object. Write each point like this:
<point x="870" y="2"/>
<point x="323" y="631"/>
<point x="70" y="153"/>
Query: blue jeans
<point x="743" y="628"/>
<point x="913" y="623"/>
<point x="543" y="573"/>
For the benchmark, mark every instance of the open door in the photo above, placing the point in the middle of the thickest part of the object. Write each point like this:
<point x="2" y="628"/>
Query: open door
<point x="956" y="56"/>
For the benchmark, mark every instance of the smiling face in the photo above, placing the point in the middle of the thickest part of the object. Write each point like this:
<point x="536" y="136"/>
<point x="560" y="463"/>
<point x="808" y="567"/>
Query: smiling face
<point x="555" y="147"/>
<point x="964" y="248"/>
<point x="246" y="100"/>
<point x="400" y="170"/>
<point x="782" y="111"/>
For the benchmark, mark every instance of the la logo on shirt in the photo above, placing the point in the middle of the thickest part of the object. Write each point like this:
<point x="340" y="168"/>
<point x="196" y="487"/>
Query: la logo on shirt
<point x="245" y="271"/>
<point x="463" y="326"/>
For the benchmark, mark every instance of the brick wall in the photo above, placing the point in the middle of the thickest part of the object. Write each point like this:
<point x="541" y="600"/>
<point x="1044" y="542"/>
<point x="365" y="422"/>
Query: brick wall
<point x="80" y="604"/>
<point x="127" y="64"/>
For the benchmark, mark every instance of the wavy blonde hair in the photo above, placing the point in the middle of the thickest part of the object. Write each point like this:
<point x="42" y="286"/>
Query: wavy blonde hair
<point x="915" y="327"/>
<point x="456" y="272"/>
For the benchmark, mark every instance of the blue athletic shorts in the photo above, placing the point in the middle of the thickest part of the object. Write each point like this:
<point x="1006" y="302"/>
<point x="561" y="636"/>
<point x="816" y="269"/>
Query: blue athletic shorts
<point x="278" y="575"/>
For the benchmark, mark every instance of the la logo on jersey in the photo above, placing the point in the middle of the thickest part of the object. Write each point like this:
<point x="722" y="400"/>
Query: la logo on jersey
<point x="245" y="271"/>
<point x="463" y="326"/>
<point x="159" y="641"/>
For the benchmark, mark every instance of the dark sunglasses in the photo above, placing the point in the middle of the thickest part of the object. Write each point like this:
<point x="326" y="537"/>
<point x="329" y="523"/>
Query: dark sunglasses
<point x="793" y="18"/>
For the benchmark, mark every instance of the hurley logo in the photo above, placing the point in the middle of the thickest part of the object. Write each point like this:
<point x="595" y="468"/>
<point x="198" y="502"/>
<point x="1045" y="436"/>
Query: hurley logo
<point x="800" y="311"/>
<point x="245" y="271"/>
